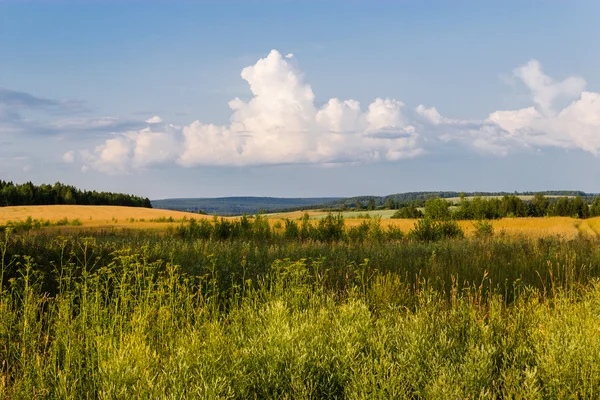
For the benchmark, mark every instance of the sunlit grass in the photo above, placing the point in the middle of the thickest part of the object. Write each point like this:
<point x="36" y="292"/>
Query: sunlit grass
<point x="121" y="325"/>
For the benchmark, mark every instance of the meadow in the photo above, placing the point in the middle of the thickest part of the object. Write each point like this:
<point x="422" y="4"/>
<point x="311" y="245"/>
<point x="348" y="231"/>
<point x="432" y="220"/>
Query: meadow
<point x="116" y="218"/>
<point x="241" y="308"/>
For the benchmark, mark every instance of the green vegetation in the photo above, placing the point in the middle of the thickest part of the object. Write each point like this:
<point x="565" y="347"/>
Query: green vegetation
<point x="481" y="208"/>
<point x="30" y="223"/>
<point x="29" y="194"/>
<point x="252" y="205"/>
<point x="241" y="205"/>
<point x="312" y="309"/>
<point x="409" y="212"/>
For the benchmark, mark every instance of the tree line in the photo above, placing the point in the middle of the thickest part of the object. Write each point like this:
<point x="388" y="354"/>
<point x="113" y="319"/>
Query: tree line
<point x="479" y="208"/>
<point x="26" y="194"/>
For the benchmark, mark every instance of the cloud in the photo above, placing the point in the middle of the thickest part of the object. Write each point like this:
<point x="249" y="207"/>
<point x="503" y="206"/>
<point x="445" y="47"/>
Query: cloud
<point x="280" y="124"/>
<point x="21" y="100"/>
<point x="154" y="120"/>
<point x="69" y="157"/>
<point x="576" y="126"/>
<point x="16" y="106"/>
<point x="544" y="89"/>
<point x="93" y="125"/>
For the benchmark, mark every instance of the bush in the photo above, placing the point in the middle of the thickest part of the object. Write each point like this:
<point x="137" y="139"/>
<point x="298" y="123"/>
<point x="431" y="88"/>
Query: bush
<point x="409" y="212"/>
<point x="429" y="230"/>
<point x="483" y="228"/>
<point x="437" y="209"/>
<point x="291" y="229"/>
<point x="331" y="228"/>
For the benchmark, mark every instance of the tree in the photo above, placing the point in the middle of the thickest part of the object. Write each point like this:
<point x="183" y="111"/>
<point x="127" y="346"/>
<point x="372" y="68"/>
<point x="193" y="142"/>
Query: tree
<point x="579" y="208"/>
<point x="371" y="205"/>
<point x="437" y="209"/>
<point x="539" y="205"/>
<point x="595" y="207"/>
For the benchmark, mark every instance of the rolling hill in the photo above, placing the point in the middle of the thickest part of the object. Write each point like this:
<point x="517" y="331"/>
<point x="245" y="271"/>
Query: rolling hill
<point x="241" y="205"/>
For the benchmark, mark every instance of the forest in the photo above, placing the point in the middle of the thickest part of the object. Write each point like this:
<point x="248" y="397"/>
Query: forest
<point x="28" y="194"/>
<point x="509" y="206"/>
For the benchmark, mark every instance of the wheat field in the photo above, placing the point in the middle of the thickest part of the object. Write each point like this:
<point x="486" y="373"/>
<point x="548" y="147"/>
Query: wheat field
<point x="116" y="217"/>
<point x="96" y="217"/>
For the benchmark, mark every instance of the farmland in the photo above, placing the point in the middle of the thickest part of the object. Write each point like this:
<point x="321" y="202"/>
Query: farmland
<point x="98" y="218"/>
<point x="94" y="218"/>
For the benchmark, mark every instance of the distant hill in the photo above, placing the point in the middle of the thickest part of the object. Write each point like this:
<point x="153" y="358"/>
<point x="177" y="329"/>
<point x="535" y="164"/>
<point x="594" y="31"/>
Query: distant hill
<point x="253" y="205"/>
<point x="241" y="205"/>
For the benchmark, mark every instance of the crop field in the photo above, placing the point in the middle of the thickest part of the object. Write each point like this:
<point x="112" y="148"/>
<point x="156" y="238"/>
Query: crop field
<point x="96" y="217"/>
<point x="92" y="218"/>
<point x="532" y="227"/>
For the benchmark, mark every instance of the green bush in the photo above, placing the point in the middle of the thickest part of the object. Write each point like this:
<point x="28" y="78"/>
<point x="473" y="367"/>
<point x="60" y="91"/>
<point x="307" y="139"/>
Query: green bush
<point x="409" y="212"/>
<point x="483" y="228"/>
<point x="429" y="230"/>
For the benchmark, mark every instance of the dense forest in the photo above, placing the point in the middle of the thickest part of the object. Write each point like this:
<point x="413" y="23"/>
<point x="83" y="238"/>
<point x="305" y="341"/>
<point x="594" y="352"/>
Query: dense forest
<point x="28" y="194"/>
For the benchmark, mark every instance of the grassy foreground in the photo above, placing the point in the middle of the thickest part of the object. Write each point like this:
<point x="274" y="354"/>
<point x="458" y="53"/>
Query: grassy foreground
<point x="107" y="317"/>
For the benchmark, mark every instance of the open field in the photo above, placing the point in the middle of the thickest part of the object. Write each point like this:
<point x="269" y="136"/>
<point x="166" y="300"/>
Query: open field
<point x="105" y="316"/>
<point x="96" y="217"/>
<point x="114" y="217"/>
<point x="319" y="214"/>
<point x="534" y="227"/>
<point x="522" y="197"/>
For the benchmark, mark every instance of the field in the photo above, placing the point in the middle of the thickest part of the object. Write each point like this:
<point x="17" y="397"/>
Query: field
<point x="530" y="227"/>
<point x="94" y="218"/>
<point x="153" y="313"/>
<point x="522" y="197"/>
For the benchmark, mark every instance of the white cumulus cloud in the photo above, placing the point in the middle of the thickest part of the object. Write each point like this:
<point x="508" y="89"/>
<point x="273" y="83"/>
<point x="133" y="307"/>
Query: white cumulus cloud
<point x="281" y="124"/>
<point x="154" y="120"/>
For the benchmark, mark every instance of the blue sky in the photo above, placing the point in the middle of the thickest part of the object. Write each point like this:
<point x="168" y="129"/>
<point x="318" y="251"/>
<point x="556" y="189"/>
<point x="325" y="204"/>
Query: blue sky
<point x="334" y="98"/>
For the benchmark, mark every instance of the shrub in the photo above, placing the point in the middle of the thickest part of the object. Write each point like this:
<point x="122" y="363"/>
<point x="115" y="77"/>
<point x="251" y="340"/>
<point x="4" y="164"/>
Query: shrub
<point x="409" y="212"/>
<point x="437" y="209"/>
<point x="331" y="228"/>
<point x="291" y="229"/>
<point x="483" y="228"/>
<point x="429" y="230"/>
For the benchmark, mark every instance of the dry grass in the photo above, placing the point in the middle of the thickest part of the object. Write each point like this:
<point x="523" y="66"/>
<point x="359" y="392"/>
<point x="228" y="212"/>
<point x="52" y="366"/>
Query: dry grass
<point x="566" y="227"/>
<point x="111" y="217"/>
<point x="97" y="217"/>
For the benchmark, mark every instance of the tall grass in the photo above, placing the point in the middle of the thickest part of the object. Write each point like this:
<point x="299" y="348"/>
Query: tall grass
<point x="145" y="317"/>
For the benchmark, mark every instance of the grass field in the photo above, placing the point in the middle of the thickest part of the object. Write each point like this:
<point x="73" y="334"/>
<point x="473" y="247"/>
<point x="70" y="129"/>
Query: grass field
<point x="144" y="315"/>
<point x="534" y="227"/>
<point x="522" y="197"/>
<point x="96" y="217"/>
<point x="113" y="217"/>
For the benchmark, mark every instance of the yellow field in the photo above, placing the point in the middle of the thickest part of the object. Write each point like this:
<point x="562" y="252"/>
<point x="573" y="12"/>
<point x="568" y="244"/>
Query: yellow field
<point x="96" y="217"/>
<point x="532" y="227"/>
<point x="115" y="217"/>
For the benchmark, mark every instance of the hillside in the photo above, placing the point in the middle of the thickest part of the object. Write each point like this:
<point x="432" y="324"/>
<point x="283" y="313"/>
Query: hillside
<point x="97" y="217"/>
<point x="240" y="205"/>
<point x="252" y="205"/>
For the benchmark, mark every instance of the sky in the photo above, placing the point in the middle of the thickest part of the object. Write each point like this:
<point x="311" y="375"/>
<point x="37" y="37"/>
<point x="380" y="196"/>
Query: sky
<point x="301" y="98"/>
